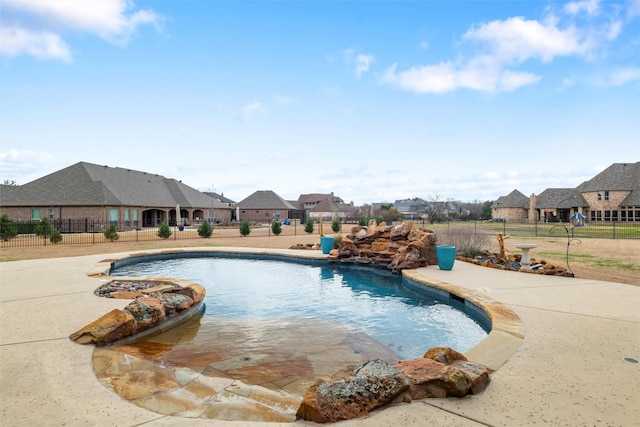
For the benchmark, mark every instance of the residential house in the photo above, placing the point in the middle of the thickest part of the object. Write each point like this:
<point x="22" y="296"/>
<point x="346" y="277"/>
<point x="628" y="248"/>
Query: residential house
<point x="612" y="195"/>
<point x="556" y="204"/>
<point x="264" y="206"/>
<point x="86" y="192"/>
<point x="224" y="200"/>
<point x="414" y="208"/>
<point x="512" y="207"/>
<point x="325" y="206"/>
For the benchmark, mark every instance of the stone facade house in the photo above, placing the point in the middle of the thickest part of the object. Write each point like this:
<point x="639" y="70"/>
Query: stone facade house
<point x="86" y="193"/>
<point x="612" y="195"/>
<point x="264" y="206"/>
<point x="325" y="206"/>
<point x="512" y="207"/>
<point x="556" y="204"/>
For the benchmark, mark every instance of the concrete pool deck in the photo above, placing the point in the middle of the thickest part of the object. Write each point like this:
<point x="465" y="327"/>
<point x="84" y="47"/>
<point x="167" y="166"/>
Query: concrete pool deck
<point x="570" y="369"/>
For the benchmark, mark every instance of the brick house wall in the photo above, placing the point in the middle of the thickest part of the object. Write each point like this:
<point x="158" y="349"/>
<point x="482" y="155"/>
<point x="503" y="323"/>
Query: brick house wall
<point x="511" y="214"/>
<point x="605" y="205"/>
<point x="262" y="215"/>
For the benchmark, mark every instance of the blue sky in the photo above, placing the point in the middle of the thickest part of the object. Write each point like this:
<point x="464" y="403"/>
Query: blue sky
<point x="373" y="100"/>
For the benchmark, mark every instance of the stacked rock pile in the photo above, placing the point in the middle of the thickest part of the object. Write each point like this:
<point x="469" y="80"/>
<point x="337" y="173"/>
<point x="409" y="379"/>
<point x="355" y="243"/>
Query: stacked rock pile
<point x="155" y="304"/>
<point x="395" y="247"/>
<point x="511" y="262"/>
<point x="352" y="393"/>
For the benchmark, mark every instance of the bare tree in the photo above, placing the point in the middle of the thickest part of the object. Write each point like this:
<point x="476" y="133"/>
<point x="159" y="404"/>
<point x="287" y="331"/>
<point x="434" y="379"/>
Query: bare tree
<point x="435" y="209"/>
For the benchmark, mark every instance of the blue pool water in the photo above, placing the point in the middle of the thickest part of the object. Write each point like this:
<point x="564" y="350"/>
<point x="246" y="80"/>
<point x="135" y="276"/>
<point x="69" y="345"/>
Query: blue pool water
<point x="371" y="301"/>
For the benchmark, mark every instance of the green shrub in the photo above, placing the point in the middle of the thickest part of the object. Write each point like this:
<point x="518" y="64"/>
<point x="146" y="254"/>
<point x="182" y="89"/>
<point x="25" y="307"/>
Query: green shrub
<point x="8" y="229"/>
<point x="43" y="229"/>
<point x="55" y="237"/>
<point x="111" y="233"/>
<point x="276" y="227"/>
<point x="309" y="225"/>
<point x="164" y="231"/>
<point x="363" y="222"/>
<point x="336" y="225"/>
<point x="205" y="230"/>
<point x="245" y="228"/>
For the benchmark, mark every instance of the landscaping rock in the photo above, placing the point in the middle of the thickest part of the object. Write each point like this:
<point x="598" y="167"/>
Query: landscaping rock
<point x="394" y="247"/>
<point x="148" y="311"/>
<point x="115" y="325"/>
<point x="445" y="355"/>
<point x="173" y="302"/>
<point x="429" y="378"/>
<point x="352" y="393"/>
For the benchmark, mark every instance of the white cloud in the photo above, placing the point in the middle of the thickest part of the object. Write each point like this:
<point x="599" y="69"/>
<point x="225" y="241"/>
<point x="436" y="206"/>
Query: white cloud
<point x="32" y="23"/>
<point x="359" y="62"/>
<point x="19" y="165"/>
<point x="252" y="109"/>
<point x="623" y="76"/>
<point x="502" y="45"/>
<point x="590" y="7"/>
<point x="446" y="77"/>
<point x="516" y="40"/>
<point x="362" y="63"/>
<point x="42" y="44"/>
<point x="492" y="175"/>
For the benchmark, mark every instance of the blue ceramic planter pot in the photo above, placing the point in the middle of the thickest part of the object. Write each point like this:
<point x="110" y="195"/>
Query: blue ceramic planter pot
<point x="326" y="244"/>
<point x="446" y="256"/>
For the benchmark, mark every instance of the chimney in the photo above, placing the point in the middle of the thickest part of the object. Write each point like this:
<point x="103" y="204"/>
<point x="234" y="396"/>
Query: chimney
<point x="533" y="212"/>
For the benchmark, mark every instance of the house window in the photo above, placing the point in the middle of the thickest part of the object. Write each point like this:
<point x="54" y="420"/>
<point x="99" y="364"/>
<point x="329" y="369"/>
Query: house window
<point x="614" y="215"/>
<point x="35" y="214"/>
<point x="623" y="215"/>
<point x="596" y="215"/>
<point x="51" y="214"/>
<point x="607" y="215"/>
<point x="126" y="217"/>
<point x="606" y="195"/>
<point x="113" y="217"/>
<point x="135" y="217"/>
<point x="599" y="195"/>
<point x="637" y="217"/>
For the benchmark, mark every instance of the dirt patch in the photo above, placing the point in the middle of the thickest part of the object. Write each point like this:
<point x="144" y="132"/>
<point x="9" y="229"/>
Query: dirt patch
<point x="598" y="259"/>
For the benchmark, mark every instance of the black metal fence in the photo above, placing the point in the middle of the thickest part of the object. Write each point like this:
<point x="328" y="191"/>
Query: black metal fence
<point x="88" y="232"/>
<point x="593" y="230"/>
<point x="85" y="232"/>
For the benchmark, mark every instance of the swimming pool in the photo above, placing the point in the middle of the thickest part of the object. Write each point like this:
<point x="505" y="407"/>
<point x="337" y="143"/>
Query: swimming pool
<point x="368" y="301"/>
<point x="273" y="325"/>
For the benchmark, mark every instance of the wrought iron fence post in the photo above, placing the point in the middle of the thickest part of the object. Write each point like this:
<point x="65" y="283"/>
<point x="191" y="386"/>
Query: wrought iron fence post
<point x="614" y="230"/>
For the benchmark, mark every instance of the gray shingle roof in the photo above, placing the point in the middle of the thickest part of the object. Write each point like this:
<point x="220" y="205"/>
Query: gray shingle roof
<point x="563" y="198"/>
<point x="88" y="184"/>
<point x="617" y="177"/>
<point x="265" y="199"/>
<point x="515" y="199"/>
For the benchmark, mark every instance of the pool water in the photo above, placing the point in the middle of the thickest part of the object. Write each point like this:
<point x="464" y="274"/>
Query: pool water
<point x="369" y="302"/>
